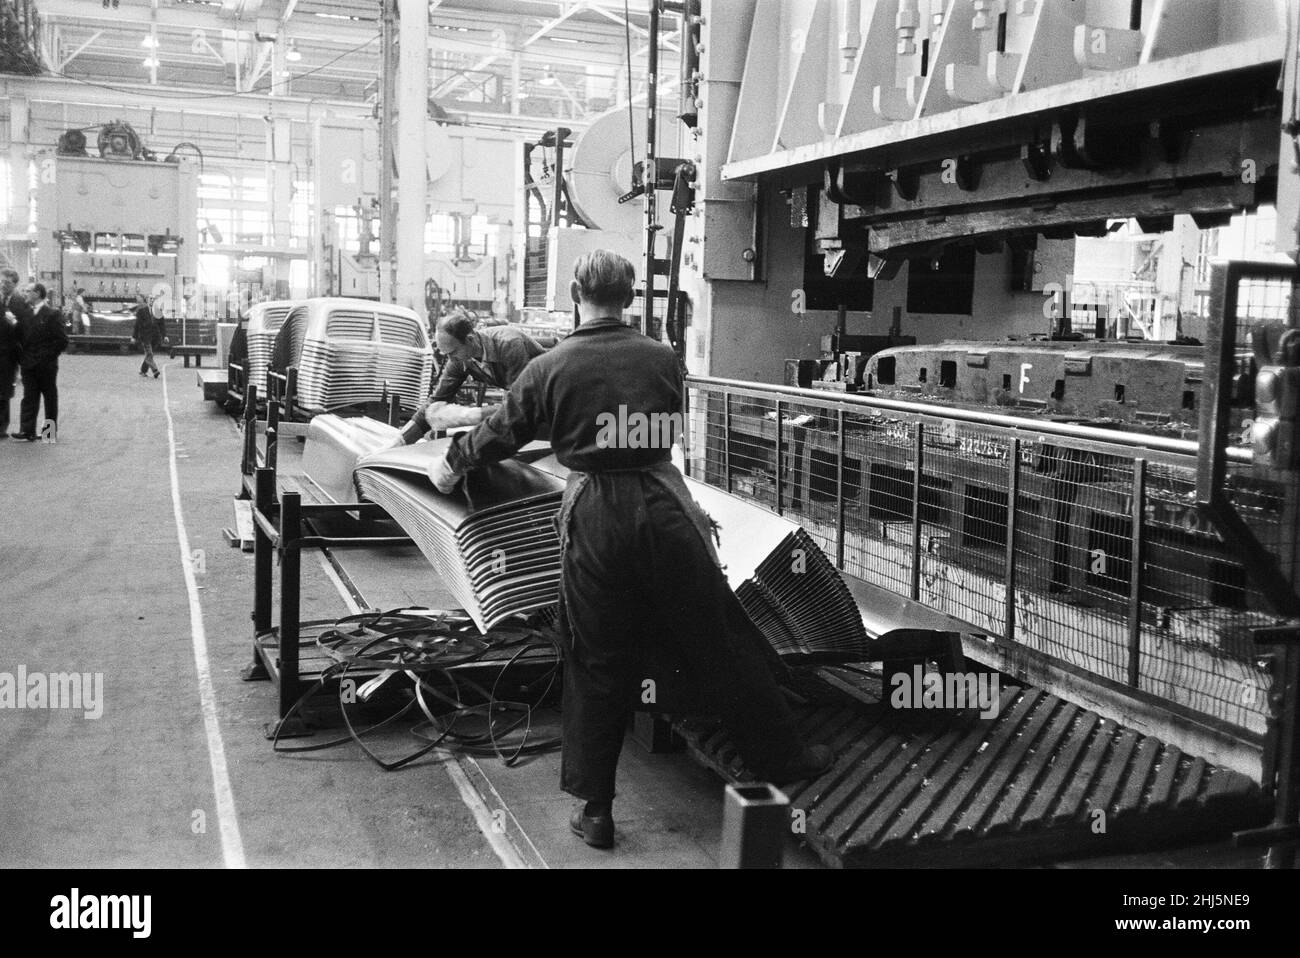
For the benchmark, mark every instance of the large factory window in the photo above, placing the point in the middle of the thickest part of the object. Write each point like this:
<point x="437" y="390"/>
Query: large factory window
<point x="482" y="236"/>
<point x="234" y="208"/>
<point x="4" y="189"/>
<point x="440" y="234"/>
<point x="300" y="213"/>
<point x="214" y="270"/>
<point x="943" y="283"/>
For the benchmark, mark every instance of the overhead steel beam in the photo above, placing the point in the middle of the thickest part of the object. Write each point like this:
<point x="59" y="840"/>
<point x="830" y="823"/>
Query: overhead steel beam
<point x="449" y="86"/>
<point x="164" y="99"/>
<point x="77" y="52"/>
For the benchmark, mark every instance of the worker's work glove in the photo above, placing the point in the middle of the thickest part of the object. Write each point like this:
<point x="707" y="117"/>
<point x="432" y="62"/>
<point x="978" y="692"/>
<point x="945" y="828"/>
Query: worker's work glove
<point x="450" y="416"/>
<point x="443" y="476"/>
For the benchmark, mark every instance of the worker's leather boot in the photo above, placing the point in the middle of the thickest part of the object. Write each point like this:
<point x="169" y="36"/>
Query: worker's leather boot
<point x="814" y="760"/>
<point x="596" y="829"/>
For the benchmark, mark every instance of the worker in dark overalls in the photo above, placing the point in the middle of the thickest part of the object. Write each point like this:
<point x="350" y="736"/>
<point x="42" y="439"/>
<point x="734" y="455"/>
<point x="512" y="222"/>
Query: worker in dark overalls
<point x="492" y="355"/>
<point x="641" y="588"/>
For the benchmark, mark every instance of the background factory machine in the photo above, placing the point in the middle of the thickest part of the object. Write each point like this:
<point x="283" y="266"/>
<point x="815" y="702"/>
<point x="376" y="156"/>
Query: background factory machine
<point x="117" y="220"/>
<point x="1097" y="491"/>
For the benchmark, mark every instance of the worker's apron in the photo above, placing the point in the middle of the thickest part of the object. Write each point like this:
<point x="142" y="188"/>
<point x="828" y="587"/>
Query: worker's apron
<point x="725" y="668"/>
<point x="668" y="476"/>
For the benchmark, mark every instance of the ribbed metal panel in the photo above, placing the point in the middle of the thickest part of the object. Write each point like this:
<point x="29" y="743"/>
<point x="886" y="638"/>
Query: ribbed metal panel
<point x="343" y="362"/>
<point x="916" y="787"/>
<point x="494" y="543"/>
<point x="264" y="323"/>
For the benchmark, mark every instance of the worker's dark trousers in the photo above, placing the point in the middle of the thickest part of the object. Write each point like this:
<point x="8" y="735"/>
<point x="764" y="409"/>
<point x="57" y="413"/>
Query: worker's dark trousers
<point x="148" y="363"/>
<point x="643" y="601"/>
<point x="39" y="384"/>
<point x="6" y="393"/>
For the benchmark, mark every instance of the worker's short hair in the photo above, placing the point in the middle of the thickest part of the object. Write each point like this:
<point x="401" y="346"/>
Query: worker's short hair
<point x="604" y="277"/>
<point x="40" y="289"/>
<point x="457" y="324"/>
<point x="9" y="274"/>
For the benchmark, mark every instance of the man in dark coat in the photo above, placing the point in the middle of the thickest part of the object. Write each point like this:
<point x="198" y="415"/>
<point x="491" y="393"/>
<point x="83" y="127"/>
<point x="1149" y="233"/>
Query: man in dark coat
<point x="14" y="311"/>
<point x="44" y="339"/>
<point x="148" y="332"/>
<point x="640" y="583"/>
<point x="492" y="355"/>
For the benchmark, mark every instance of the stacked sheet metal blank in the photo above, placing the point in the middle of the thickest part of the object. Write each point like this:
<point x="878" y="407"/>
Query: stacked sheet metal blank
<point x="493" y="541"/>
<point x="349" y="352"/>
<point x="498" y="551"/>
<point x="264" y="322"/>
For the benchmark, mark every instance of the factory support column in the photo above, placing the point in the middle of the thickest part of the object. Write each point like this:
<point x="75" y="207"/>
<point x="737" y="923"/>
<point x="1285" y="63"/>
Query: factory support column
<point x="413" y="105"/>
<point x="280" y="179"/>
<point x="387" y="138"/>
<point x="19" y="200"/>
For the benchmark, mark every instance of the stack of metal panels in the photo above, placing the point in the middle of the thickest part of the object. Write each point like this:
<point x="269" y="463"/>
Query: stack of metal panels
<point x="351" y="352"/>
<point x="494" y="543"/>
<point x="334" y="445"/>
<point x="264" y="322"/>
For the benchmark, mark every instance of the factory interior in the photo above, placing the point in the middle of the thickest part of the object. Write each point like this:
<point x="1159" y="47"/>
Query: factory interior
<point x="982" y="324"/>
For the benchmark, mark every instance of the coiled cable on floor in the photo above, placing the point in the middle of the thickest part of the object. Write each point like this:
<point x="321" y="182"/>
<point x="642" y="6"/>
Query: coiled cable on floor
<point x="426" y="647"/>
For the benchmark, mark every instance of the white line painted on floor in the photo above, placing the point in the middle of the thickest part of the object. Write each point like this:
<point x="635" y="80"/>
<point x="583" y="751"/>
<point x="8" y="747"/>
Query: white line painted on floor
<point x="460" y="769"/>
<point x="232" y="846"/>
<point x="487" y="823"/>
<point x="528" y="853"/>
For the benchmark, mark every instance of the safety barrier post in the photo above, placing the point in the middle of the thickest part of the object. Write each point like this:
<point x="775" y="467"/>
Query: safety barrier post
<point x="755" y="821"/>
<point x="839" y="491"/>
<point x="1009" y="569"/>
<point x="1135" y="572"/>
<point x="290" y="570"/>
<point x="780" y="460"/>
<point x="918" y="455"/>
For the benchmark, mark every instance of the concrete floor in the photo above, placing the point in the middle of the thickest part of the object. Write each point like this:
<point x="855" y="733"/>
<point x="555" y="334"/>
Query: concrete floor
<point x="94" y="583"/>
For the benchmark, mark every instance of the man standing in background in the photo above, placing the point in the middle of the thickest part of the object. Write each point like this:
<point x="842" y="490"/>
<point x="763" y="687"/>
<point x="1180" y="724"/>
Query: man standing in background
<point x="44" y="339"/>
<point x="148" y="333"/>
<point x="13" y="312"/>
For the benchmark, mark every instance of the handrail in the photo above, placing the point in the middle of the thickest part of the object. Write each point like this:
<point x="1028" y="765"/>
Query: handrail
<point x="1065" y="430"/>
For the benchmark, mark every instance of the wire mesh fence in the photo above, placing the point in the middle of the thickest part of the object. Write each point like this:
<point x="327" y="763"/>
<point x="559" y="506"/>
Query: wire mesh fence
<point x="1089" y="552"/>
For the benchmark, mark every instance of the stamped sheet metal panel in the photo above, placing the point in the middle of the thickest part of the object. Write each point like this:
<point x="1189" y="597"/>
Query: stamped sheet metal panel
<point x="1041" y="780"/>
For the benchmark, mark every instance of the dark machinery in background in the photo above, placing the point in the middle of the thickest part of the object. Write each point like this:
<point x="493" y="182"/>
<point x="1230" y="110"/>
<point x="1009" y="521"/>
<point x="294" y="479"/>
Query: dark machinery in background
<point x="1146" y="387"/>
<point x="1253" y="361"/>
<point x="20" y="38"/>
<point x="109" y="252"/>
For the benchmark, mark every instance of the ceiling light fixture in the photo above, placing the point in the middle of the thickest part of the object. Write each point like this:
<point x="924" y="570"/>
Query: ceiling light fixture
<point x="548" y="78"/>
<point x="292" y="54"/>
<point x="150" y="41"/>
<point x="150" y="62"/>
